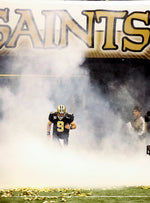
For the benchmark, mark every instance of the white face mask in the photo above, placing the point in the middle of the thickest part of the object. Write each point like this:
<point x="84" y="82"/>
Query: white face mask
<point x="60" y="117"/>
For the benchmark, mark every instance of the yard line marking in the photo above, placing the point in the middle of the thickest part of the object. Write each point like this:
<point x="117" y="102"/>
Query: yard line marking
<point x="40" y="75"/>
<point x="93" y="196"/>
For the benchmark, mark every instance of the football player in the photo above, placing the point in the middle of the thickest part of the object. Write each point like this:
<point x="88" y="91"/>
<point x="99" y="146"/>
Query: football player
<point x="62" y="122"/>
<point x="137" y="124"/>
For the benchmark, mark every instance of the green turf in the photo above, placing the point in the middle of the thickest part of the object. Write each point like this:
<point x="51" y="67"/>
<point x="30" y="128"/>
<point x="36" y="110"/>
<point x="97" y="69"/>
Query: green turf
<point x="54" y="195"/>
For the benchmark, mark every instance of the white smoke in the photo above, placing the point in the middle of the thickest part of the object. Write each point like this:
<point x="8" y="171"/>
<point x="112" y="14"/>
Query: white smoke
<point x="94" y="158"/>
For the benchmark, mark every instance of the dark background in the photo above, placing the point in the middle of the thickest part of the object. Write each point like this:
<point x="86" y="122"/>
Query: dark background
<point x="134" y="74"/>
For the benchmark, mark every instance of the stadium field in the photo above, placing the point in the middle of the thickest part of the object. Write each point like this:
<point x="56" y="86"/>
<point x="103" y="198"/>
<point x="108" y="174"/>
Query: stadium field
<point x="139" y="194"/>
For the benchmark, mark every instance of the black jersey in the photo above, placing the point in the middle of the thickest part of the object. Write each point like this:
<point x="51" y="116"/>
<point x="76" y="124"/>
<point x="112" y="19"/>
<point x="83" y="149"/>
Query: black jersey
<point x="59" y="124"/>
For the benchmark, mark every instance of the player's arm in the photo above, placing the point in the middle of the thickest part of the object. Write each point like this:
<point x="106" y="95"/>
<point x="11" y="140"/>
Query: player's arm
<point x="48" y="128"/>
<point x="71" y="126"/>
<point x="142" y="127"/>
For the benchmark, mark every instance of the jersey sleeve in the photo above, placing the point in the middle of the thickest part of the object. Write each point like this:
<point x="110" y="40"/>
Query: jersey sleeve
<point x="50" y="118"/>
<point x="71" y="118"/>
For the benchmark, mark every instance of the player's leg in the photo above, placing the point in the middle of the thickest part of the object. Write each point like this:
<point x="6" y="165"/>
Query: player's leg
<point x="66" y="139"/>
<point x="56" y="140"/>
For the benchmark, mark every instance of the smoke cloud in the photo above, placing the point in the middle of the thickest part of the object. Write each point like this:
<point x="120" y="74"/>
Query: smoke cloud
<point x="98" y="155"/>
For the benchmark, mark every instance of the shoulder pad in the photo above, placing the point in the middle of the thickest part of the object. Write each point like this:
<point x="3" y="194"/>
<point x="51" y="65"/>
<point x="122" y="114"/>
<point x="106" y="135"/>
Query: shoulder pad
<point x="52" y="116"/>
<point x="53" y="113"/>
<point x="69" y="114"/>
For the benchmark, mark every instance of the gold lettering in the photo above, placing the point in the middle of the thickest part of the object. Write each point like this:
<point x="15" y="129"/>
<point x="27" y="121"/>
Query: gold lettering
<point x="4" y="29"/>
<point x="67" y="23"/>
<point x="129" y="29"/>
<point x="49" y="29"/>
<point x="26" y="27"/>
<point x="110" y="28"/>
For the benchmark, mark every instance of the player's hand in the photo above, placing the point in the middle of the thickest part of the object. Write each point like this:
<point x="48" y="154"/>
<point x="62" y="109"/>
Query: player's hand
<point x="48" y="134"/>
<point x="67" y="126"/>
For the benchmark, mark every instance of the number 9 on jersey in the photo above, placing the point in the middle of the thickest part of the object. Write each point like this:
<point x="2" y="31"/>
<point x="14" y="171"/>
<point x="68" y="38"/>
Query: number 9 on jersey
<point x="60" y="126"/>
